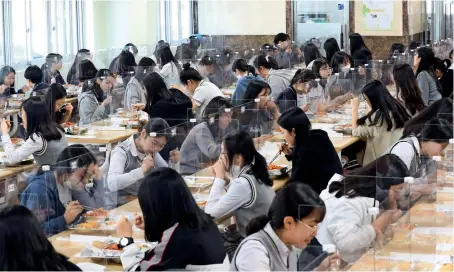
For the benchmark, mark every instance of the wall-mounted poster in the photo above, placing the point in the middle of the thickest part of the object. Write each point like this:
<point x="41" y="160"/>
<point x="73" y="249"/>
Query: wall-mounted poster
<point x="379" y="17"/>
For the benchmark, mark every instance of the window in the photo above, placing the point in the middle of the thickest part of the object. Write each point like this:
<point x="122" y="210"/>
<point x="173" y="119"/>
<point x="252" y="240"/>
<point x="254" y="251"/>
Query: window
<point x="176" y="23"/>
<point x="2" y="55"/>
<point x="39" y="34"/>
<point x="19" y="33"/>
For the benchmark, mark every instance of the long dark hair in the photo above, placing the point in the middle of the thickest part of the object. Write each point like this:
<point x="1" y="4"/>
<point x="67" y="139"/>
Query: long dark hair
<point x="54" y="92"/>
<point x="93" y="85"/>
<point x="87" y="70"/>
<point x="145" y="67"/>
<point x="241" y="143"/>
<point x="407" y="87"/>
<point x="338" y="59"/>
<point x="383" y="173"/>
<point x="266" y="62"/>
<point x="331" y="47"/>
<point x="39" y="120"/>
<point x="311" y="53"/>
<point x="441" y="109"/>
<point x="156" y="90"/>
<point x="317" y="65"/>
<point x="214" y="110"/>
<point x="385" y="107"/>
<point x="254" y="89"/>
<point x="242" y="66"/>
<point x="82" y="54"/>
<point x="304" y="75"/>
<point x="126" y="66"/>
<point x="166" y="56"/>
<point x="165" y="200"/>
<point x="427" y="62"/>
<point x="357" y="43"/>
<point x="4" y="72"/>
<point x="296" y="200"/>
<point x="296" y="119"/>
<point x="24" y="247"/>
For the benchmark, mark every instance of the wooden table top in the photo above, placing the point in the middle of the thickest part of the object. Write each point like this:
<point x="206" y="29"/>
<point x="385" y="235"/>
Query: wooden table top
<point x="11" y="171"/>
<point x="102" y="137"/>
<point x="339" y="142"/>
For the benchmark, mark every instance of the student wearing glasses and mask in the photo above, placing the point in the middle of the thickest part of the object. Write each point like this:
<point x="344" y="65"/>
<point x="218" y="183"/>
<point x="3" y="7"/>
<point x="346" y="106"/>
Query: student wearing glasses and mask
<point x="132" y="159"/>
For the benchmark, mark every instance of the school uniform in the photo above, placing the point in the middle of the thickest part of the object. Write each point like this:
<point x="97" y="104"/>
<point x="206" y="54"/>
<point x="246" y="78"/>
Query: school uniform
<point x="44" y="152"/>
<point x="178" y="248"/>
<point x="429" y="88"/>
<point x="90" y="109"/>
<point x="41" y="197"/>
<point x="171" y="74"/>
<point x="240" y="88"/>
<point x="203" y="95"/>
<point x="38" y="90"/>
<point x="125" y="173"/>
<point x="347" y="224"/>
<point x="135" y="93"/>
<point x="409" y="151"/>
<point x="246" y="196"/>
<point x="264" y="251"/>
<point x="315" y="161"/>
<point x="279" y="80"/>
<point x="47" y="77"/>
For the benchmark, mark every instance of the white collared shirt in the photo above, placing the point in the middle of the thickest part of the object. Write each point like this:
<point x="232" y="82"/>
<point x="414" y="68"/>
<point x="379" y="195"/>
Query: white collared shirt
<point x="253" y="255"/>
<point x="406" y="152"/>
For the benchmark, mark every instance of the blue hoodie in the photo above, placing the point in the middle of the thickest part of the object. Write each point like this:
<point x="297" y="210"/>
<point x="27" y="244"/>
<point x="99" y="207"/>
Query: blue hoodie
<point x="41" y="197"/>
<point x="241" y="87"/>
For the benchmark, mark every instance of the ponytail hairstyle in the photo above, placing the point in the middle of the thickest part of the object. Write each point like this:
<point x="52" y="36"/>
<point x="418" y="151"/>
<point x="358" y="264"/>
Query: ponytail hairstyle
<point x="189" y="73"/>
<point x="296" y="200"/>
<point x="241" y="143"/>
<point x="266" y="62"/>
<point x="242" y="66"/>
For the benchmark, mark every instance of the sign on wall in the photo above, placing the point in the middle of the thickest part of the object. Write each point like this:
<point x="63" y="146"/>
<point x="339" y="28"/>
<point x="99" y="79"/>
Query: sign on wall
<point x="379" y="17"/>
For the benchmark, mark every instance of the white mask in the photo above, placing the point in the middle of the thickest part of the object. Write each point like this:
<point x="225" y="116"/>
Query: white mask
<point x="346" y="68"/>
<point x="235" y="171"/>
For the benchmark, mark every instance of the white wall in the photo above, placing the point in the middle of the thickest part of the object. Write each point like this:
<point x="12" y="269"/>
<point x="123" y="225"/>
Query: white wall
<point x="234" y="17"/>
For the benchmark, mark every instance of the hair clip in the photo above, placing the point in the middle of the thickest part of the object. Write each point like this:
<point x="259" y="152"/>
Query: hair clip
<point x="152" y="134"/>
<point x="73" y="165"/>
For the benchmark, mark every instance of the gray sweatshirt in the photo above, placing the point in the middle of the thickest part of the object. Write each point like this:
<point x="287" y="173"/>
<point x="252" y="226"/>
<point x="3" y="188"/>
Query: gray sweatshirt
<point x="279" y="80"/>
<point x="429" y="87"/>
<point x="90" y="110"/>
<point x="135" y="93"/>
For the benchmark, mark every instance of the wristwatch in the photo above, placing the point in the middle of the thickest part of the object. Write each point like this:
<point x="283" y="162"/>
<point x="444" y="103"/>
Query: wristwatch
<point x="125" y="241"/>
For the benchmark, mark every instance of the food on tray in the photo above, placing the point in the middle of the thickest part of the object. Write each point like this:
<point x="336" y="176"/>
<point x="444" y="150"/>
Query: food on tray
<point x="202" y="203"/>
<point x="324" y="120"/>
<point x="103" y="245"/>
<point x="87" y="225"/>
<point x="405" y="227"/>
<point x="73" y="129"/>
<point x="97" y="213"/>
<point x="17" y="141"/>
<point x="423" y="266"/>
<point x="274" y="167"/>
<point x="447" y="267"/>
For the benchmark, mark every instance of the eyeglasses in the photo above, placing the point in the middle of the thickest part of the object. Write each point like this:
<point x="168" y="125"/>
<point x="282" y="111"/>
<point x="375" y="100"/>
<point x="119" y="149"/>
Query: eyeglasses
<point x="313" y="229"/>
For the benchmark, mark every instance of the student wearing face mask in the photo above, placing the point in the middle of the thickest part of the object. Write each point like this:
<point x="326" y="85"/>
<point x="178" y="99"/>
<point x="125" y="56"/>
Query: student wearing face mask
<point x="245" y="74"/>
<point x="290" y="223"/>
<point x="250" y="189"/>
<point x="205" y="67"/>
<point x="93" y="106"/>
<point x="301" y="92"/>
<point x="79" y="178"/>
<point x="202" y="146"/>
<point x="132" y="159"/>
<point x="59" y="110"/>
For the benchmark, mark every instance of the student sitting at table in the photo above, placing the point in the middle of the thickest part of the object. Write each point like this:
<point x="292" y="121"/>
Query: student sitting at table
<point x="222" y="76"/>
<point x="135" y="91"/>
<point x="131" y="160"/>
<point x="313" y="157"/>
<point x="260" y="118"/>
<point x="245" y="74"/>
<point x="7" y="78"/>
<point x="25" y="247"/>
<point x="250" y="189"/>
<point x="202" y="92"/>
<point x="383" y="125"/>
<point x="202" y="146"/>
<point x="279" y="79"/>
<point x="291" y="222"/>
<point x="73" y="74"/>
<point x="205" y="67"/>
<point x="441" y="109"/>
<point x="51" y="73"/>
<point x="93" y="106"/>
<point x="79" y="177"/>
<point x="44" y="138"/>
<point x="185" y="234"/>
<point x="55" y="98"/>
<point x="170" y="68"/>
<point x="407" y="90"/>
<point x="301" y="92"/>
<point x="87" y="71"/>
<point x="414" y="150"/>
<point x="126" y="66"/>
<point x="128" y="47"/>
<point x="348" y="220"/>
<point x="35" y="85"/>
<point x="322" y="70"/>
<point x="41" y="196"/>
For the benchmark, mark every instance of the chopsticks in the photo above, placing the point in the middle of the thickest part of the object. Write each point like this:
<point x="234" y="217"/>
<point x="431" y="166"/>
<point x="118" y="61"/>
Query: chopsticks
<point x="277" y="155"/>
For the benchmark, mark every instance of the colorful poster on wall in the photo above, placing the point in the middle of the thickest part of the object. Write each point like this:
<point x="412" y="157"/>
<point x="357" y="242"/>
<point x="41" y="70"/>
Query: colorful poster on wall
<point x="379" y="17"/>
